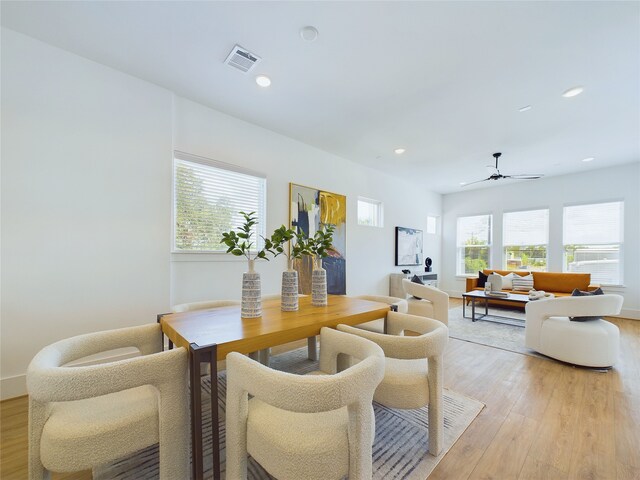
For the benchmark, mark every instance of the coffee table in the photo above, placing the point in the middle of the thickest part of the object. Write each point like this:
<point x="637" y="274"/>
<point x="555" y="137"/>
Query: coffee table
<point x="474" y="296"/>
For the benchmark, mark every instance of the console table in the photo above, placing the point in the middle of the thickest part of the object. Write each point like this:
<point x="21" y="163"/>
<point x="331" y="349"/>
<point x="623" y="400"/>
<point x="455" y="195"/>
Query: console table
<point x="395" y="282"/>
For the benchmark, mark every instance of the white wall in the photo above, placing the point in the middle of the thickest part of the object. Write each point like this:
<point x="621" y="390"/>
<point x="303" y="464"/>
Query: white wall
<point x="370" y="251"/>
<point x="615" y="183"/>
<point x="86" y="201"/>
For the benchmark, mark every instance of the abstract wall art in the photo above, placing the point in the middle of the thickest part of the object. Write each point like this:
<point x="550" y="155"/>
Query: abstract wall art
<point x="408" y="246"/>
<point x="309" y="209"/>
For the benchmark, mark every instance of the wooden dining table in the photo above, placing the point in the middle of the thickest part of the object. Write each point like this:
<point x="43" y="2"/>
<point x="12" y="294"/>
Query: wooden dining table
<point x="210" y="334"/>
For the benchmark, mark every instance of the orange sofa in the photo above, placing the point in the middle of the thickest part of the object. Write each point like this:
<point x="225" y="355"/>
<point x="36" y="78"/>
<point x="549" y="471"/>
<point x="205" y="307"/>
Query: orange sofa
<point x="559" y="284"/>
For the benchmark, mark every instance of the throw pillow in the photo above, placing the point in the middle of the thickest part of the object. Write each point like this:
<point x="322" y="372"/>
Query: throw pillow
<point x="495" y="280"/>
<point x="417" y="279"/>
<point x="580" y="293"/>
<point x="522" y="284"/>
<point x="507" y="281"/>
<point x="482" y="279"/>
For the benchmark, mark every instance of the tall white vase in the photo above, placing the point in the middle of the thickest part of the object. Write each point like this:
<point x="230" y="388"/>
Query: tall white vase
<point x="289" y="294"/>
<point x="251" y="306"/>
<point x="318" y="284"/>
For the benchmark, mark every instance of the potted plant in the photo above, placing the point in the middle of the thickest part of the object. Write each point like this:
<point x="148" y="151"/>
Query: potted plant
<point x="319" y="247"/>
<point x="297" y="248"/>
<point x="240" y="244"/>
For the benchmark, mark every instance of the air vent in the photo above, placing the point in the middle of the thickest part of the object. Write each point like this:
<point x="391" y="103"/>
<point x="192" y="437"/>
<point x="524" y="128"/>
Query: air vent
<point x="242" y="59"/>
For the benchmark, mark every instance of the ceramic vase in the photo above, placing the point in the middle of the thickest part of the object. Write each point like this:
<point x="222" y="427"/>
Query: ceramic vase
<point x="318" y="284"/>
<point x="251" y="306"/>
<point x="289" y="294"/>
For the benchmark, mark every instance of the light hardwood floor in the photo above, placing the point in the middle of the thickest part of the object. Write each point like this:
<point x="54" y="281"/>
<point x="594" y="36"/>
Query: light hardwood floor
<point x="543" y="419"/>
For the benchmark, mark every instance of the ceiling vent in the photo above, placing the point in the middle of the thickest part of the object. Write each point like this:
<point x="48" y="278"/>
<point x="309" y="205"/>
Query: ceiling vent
<point x="242" y="59"/>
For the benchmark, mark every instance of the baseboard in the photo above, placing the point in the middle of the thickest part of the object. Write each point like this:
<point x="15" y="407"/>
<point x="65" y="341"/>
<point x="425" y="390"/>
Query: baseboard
<point x="11" y="387"/>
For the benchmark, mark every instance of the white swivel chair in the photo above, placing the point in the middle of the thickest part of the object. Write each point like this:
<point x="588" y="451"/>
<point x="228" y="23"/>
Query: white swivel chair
<point x="83" y="417"/>
<point x="593" y="343"/>
<point x="427" y="301"/>
<point x="305" y="426"/>
<point x="413" y="369"/>
<point x="378" y="325"/>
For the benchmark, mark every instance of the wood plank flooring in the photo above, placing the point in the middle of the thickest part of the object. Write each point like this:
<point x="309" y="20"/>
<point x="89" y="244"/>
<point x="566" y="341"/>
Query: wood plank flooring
<point x="543" y="419"/>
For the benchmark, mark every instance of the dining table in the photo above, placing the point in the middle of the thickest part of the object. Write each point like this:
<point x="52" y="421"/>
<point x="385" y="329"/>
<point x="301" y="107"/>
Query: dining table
<point x="210" y="334"/>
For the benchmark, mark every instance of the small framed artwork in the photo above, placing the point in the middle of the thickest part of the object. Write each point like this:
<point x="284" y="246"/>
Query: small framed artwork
<point x="408" y="246"/>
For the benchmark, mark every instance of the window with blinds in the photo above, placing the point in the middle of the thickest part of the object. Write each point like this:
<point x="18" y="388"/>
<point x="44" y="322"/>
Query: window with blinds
<point x="473" y="240"/>
<point x="369" y="212"/>
<point x="525" y="237"/>
<point x="208" y="197"/>
<point x="593" y="239"/>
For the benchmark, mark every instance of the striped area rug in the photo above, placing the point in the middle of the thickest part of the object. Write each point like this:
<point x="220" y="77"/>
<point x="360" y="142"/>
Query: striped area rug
<point x="399" y="450"/>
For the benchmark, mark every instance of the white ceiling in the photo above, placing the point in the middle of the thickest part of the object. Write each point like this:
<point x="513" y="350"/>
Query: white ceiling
<point x="445" y="80"/>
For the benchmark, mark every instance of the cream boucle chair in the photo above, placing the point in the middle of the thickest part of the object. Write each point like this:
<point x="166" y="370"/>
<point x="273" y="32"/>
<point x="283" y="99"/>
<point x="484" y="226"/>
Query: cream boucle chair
<point x="189" y="307"/>
<point x="305" y="427"/>
<point x="427" y="301"/>
<point x="413" y="369"/>
<point x="83" y="417"/>
<point x="594" y="343"/>
<point x="378" y="325"/>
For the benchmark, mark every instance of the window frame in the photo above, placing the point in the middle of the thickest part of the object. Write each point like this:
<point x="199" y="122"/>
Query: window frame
<point x="546" y="245"/>
<point x="459" y="249"/>
<point x="380" y="212"/>
<point x="216" y="164"/>
<point x="621" y="201"/>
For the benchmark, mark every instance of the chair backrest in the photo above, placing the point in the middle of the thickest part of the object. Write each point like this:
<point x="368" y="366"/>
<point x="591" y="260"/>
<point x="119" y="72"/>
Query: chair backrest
<point x="400" y="303"/>
<point x="587" y="306"/>
<point x="189" y="307"/>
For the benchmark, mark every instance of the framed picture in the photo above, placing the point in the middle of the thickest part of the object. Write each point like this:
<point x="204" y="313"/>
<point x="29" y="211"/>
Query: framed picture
<point x="309" y="209"/>
<point x="408" y="246"/>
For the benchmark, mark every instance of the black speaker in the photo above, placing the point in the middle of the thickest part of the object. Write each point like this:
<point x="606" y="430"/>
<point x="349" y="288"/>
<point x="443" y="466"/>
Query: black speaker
<point x="427" y="264"/>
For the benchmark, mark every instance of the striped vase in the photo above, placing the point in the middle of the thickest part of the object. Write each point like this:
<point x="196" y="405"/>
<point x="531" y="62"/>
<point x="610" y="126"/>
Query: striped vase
<point x="318" y="284"/>
<point x="289" y="294"/>
<point x="251" y="305"/>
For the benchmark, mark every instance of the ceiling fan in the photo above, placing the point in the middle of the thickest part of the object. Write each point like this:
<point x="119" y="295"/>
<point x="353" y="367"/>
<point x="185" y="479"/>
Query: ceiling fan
<point x="496" y="175"/>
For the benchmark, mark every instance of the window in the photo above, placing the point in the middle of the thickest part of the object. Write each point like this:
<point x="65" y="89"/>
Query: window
<point x="208" y="197"/>
<point x="525" y="239"/>
<point x="474" y="243"/>
<point x="369" y="212"/>
<point x="593" y="239"/>
<point x="432" y="225"/>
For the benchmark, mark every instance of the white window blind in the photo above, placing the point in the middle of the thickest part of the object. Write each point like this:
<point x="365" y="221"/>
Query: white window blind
<point x="207" y="200"/>
<point x="473" y="240"/>
<point x="369" y="212"/>
<point x="593" y="239"/>
<point x="525" y="238"/>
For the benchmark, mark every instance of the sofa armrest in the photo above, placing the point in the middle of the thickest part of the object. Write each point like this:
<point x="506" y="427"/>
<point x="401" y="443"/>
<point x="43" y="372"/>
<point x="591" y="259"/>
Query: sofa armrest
<point x="592" y="287"/>
<point x="471" y="283"/>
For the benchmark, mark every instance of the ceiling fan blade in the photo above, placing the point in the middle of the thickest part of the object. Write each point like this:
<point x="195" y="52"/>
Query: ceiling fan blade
<point x="477" y="181"/>
<point x="525" y="176"/>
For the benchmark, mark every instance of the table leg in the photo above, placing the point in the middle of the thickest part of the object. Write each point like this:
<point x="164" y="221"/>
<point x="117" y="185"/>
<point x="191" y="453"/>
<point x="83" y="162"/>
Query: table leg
<point x="196" y="413"/>
<point x="312" y="348"/>
<point x="464" y="310"/>
<point x="486" y="306"/>
<point x="215" y="424"/>
<point x="473" y="309"/>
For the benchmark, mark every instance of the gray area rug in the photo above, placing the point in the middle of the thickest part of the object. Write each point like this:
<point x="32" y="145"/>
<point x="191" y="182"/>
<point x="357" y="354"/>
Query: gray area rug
<point x="507" y="336"/>
<point x="399" y="451"/>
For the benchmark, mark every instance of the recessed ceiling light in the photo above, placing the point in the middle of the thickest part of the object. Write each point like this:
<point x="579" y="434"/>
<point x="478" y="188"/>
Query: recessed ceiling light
<point x="309" y="33"/>
<point x="588" y="159"/>
<point x="573" y="91"/>
<point x="400" y="151"/>
<point x="263" y="80"/>
<point x="463" y="184"/>
<point x="524" y="109"/>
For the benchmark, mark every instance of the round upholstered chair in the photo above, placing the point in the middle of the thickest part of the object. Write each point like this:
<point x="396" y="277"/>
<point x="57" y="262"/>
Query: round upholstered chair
<point x="82" y="417"/>
<point x="312" y="427"/>
<point x="413" y="367"/>
<point x="426" y="301"/>
<point x="592" y="343"/>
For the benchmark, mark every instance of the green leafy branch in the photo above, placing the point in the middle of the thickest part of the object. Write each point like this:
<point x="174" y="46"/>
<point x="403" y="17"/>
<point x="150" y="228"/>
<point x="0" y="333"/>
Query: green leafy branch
<point x="297" y="241"/>
<point x="322" y="242"/>
<point x="240" y="243"/>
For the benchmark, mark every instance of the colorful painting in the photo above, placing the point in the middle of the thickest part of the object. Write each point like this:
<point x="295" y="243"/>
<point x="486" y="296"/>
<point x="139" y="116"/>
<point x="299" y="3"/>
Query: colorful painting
<point x="309" y="209"/>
